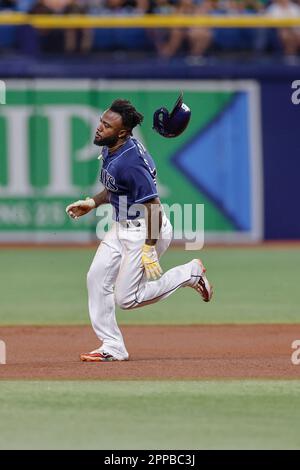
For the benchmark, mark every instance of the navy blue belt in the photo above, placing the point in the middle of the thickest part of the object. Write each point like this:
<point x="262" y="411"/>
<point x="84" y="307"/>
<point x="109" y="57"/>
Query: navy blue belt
<point x="130" y="223"/>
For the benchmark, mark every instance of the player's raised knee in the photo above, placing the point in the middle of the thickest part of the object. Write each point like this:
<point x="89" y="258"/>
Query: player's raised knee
<point x="123" y="301"/>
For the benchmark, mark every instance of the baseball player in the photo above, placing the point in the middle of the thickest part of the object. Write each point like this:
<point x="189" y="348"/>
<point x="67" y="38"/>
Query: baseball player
<point x="126" y="269"/>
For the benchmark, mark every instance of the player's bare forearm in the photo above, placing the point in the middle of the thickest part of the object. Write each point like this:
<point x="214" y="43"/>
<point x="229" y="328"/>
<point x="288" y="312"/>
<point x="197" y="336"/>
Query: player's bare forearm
<point x="153" y="217"/>
<point x="101" y="198"/>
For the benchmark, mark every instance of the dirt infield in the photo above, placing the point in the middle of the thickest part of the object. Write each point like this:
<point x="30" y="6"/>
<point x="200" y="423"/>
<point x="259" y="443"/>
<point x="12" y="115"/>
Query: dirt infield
<point x="157" y="352"/>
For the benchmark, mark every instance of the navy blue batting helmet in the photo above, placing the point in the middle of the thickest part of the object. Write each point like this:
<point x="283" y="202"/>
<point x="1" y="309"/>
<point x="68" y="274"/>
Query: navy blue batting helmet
<point x="174" y="123"/>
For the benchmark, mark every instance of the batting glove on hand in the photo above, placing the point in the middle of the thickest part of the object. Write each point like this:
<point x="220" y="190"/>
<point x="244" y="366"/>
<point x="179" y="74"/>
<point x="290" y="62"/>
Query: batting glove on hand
<point x="151" y="263"/>
<point x="79" y="208"/>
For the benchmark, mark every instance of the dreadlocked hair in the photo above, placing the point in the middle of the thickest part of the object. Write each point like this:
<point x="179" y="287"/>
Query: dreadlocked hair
<point x="130" y="116"/>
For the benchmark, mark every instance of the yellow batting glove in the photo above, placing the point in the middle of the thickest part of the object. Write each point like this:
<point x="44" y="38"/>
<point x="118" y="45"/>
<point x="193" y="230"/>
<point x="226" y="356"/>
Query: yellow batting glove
<point x="151" y="263"/>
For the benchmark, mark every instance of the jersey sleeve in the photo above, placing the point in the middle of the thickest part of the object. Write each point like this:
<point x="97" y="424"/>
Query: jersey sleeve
<point x="141" y="184"/>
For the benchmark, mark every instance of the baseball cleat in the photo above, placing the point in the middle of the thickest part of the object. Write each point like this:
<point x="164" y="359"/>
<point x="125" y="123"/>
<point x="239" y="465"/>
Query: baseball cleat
<point x="203" y="287"/>
<point x="98" y="356"/>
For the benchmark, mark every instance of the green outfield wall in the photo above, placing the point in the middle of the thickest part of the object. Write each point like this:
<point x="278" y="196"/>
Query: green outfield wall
<point x="47" y="156"/>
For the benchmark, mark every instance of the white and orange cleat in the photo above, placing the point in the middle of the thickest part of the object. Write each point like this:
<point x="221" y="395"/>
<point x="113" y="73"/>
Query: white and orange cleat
<point x="203" y="286"/>
<point x="100" y="356"/>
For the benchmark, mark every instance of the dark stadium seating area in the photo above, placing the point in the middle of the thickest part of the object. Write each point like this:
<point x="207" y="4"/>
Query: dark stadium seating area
<point x="218" y="43"/>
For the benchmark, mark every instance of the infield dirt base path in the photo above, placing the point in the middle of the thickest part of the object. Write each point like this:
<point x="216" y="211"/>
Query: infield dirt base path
<point x="157" y="352"/>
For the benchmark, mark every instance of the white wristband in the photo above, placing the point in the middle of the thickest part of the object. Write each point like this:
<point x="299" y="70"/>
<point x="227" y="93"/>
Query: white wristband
<point x="91" y="202"/>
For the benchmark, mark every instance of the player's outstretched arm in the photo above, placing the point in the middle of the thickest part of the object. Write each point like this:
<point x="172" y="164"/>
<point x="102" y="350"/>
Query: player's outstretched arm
<point x="82" y="207"/>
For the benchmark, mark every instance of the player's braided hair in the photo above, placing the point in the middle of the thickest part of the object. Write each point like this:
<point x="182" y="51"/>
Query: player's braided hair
<point x="130" y="116"/>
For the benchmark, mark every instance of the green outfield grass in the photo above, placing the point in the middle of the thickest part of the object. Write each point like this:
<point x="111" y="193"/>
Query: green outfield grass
<point x="251" y="286"/>
<point x="150" y="415"/>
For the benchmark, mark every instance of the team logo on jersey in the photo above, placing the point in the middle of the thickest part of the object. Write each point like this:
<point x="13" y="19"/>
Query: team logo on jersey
<point x="108" y="181"/>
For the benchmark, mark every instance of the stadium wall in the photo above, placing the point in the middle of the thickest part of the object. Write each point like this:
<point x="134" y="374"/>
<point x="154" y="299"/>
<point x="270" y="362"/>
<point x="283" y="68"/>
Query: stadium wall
<point x="267" y="143"/>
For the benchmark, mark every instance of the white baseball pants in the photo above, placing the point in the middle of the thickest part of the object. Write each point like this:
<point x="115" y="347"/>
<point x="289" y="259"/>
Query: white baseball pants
<point x="116" y="275"/>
